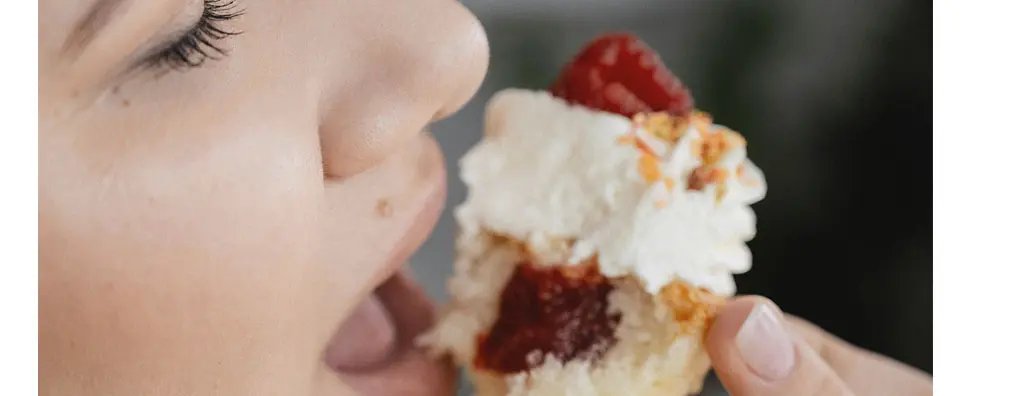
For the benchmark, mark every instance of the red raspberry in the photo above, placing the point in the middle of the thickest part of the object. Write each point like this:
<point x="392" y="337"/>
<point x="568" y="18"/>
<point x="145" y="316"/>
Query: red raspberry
<point x="618" y="73"/>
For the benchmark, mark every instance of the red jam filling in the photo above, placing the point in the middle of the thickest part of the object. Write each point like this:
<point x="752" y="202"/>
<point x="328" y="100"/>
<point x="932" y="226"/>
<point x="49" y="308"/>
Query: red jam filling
<point x="561" y="311"/>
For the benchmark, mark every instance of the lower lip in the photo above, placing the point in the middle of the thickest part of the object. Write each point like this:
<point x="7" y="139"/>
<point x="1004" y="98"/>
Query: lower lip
<point x="407" y="370"/>
<point x="389" y="321"/>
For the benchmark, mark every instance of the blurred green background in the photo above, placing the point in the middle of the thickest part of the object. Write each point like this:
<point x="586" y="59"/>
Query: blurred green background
<point x="835" y="100"/>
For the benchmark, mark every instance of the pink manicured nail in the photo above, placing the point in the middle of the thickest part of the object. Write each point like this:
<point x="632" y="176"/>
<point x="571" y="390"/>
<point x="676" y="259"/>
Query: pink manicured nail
<point x="764" y="344"/>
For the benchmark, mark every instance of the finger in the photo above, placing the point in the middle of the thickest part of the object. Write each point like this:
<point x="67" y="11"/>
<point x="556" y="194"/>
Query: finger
<point x="754" y="353"/>
<point x="865" y="372"/>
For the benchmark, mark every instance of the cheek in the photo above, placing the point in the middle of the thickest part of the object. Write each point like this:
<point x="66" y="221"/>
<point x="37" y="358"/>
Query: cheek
<point x="193" y="262"/>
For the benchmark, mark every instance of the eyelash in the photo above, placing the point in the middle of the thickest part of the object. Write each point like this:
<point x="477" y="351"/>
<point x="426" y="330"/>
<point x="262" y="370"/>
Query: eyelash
<point x="200" y="43"/>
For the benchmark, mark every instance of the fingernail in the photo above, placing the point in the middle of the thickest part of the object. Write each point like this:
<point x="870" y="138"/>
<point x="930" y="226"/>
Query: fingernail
<point x="764" y="344"/>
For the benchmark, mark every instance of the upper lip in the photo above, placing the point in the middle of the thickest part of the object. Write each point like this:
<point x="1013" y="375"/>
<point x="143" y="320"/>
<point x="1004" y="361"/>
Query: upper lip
<point x="419" y="227"/>
<point x="412" y="183"/>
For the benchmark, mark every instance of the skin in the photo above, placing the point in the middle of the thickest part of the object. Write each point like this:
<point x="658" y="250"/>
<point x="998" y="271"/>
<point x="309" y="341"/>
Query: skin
<point x="207" y="231"/>
<point x="823" y="365"/>
<point x="239" y="228"/>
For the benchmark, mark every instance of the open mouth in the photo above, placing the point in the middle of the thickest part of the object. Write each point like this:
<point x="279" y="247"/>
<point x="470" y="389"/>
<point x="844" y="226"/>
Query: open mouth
<point x="382" y="328"/>
<point x="374" y="352"/>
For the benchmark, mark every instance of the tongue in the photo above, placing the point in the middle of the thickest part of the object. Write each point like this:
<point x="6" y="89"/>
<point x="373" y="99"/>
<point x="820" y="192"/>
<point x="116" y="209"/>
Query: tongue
<point x="365" y="339"/>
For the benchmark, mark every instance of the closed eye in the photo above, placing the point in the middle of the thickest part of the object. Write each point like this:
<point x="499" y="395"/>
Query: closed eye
<point x="203" y="41"/>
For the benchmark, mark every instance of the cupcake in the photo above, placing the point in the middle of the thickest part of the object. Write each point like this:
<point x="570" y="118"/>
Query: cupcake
<point x="604" y="221"/>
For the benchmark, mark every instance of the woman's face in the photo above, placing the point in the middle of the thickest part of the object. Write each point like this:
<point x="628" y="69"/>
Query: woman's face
<point x="238" y="227"/>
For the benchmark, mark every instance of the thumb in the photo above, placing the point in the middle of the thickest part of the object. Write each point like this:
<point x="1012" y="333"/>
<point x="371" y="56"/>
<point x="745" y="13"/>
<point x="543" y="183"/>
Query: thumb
<point x="754" y="353"/>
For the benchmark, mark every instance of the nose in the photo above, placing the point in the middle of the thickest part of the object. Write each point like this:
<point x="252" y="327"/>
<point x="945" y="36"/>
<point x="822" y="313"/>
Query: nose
<point x="406" y="64"/>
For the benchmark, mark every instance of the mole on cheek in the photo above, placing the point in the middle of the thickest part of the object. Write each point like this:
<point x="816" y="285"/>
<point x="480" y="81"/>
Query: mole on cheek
<point x="126" y="102"/>
<point x="384" y="208"/>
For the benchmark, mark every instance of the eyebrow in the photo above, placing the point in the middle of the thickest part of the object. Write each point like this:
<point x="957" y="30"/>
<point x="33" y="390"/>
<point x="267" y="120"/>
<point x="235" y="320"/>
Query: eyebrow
<point x="91" y="24"/>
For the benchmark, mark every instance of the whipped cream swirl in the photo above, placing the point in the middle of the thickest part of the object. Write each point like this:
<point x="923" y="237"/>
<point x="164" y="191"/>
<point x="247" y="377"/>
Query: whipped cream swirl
<point x="648" y="199"/>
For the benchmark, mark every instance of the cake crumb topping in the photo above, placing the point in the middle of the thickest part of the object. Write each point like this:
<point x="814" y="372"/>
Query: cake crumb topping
<point x="649" y="168"/>
<point x="664" y="126"/>
<point x="709" y="147"/>
<point x="693" y="308"/>
<point x="704" y="175"/>
<point x="718" y="142"/>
